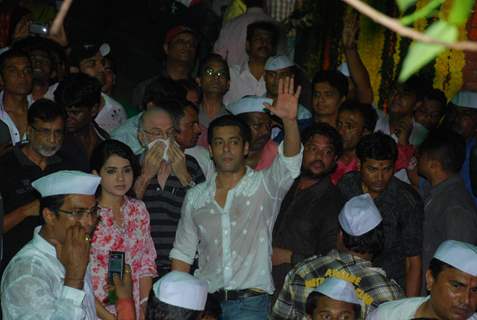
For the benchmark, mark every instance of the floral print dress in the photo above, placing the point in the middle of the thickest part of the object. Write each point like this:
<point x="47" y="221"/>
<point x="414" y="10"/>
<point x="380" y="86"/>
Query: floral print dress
<point x="133" y="238"/>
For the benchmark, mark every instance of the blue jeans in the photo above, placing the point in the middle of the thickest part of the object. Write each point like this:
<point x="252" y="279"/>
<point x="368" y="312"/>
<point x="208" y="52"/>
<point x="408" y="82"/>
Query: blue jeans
<point x="251" y="308"/>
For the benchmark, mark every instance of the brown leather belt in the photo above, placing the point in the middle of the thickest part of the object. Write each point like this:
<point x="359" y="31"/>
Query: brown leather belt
<point x="226" y="295"/>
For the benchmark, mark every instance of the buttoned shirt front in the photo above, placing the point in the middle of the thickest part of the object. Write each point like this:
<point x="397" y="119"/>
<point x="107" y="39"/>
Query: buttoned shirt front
<point x="5" y="118"/>
<point x="243" y="83"/>
<point x="33" y="287"/>
<point x="234" y="242"/>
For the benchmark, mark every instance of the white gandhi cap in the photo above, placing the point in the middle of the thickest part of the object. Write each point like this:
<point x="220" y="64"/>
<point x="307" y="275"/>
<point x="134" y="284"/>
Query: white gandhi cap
<point x="67" y="182"/>
<point x="466" y="99"/>
<point x="182" y="290"/>
<point x="278" y="62"/>
<point x="458" y="254"/>
<point x="359" y="215"/>
<point x="338" y="289"/>
<point x="248" y="104"/>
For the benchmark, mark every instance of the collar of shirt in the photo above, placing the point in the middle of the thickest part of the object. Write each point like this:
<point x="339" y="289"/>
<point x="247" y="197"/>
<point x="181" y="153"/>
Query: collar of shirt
<point x="41" y="244"/>
<point x="5" y="117"/>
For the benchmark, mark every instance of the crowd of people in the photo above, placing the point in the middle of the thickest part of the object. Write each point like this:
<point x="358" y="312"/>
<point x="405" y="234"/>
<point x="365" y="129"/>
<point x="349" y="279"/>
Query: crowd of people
<point x="240" y="189"/>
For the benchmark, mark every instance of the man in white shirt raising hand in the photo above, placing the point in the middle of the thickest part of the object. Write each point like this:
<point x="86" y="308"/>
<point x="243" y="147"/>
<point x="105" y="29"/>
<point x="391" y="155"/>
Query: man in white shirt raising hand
<point x="229" y="219"/>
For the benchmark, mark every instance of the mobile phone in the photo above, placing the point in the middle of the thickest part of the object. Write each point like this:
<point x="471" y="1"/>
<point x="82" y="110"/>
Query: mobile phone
<point x="39" y="29"/>
<point x="115" y="264"/>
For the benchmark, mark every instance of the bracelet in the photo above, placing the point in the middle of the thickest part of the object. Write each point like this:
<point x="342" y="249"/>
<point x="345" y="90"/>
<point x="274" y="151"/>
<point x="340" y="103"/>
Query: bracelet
<point x="143" y="301"/>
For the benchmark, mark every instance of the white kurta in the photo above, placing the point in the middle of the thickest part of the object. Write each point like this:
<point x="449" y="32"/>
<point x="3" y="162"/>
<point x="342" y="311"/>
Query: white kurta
<point x="404" y="309"/>
<point x="33" y="287"/>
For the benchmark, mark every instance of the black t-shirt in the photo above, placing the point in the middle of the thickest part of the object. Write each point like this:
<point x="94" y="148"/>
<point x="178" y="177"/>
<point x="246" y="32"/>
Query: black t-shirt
<point x="17" y="172"/>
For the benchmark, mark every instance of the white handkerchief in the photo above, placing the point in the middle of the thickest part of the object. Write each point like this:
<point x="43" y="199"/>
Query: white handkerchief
<point x="165" y="156"/>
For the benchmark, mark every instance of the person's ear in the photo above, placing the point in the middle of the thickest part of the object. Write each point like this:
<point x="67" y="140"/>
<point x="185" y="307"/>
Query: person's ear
<point x="150" y="105"/>
<point x="210" y="152"/>
<point x="197" y="80"/>
<point x="246" y="147"/>
<point x="166" y="48"/>
<point x="429" y="280"/>
<point x="95" y="172"/>
<point x="49" y="216"/>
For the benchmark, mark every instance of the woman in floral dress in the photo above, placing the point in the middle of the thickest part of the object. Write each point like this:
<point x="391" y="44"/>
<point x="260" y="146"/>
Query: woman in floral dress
<point x="124" y="226"/>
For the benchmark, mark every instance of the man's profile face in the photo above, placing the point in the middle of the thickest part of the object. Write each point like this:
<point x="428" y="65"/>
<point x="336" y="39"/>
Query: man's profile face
<point x="453" y="294"/>
<point x="261" y="128"/>
<point x="350" y="125"/>
<point x="466" y="121"/>
<point x="319" y="156"/>
<point x="376" y="175"/>
<point x="428" y="113"/>
<point x="228" y="149"/>
<point x="182" y="48"/>
<point x="189" y="130"/>
<point x="94" y="67"/>
<point x="260" y="45"/>
<point x="326" y="99"/>
<point x="331" y="309"/>
<point x="46" y="137"/>
<point x="17" y="76"/>
<point x="272" y="77"/>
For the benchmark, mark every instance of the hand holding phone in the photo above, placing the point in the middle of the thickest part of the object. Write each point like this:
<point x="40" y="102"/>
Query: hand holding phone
<point x="116" y="265"/>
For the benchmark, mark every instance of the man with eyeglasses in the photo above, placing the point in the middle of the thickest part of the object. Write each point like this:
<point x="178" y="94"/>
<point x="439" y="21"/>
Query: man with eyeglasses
<point x="166" y="171"/>
<point x="49" y="278"/>
<point x="214" y="81"/>
<point x="25" y="163"/>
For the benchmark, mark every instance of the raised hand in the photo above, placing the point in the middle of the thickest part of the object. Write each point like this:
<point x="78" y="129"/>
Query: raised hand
<point x="152" y="160"/>
<point x="178" y="162"/>
<point x="350" y="29"/>
<point x="285" y="105"/>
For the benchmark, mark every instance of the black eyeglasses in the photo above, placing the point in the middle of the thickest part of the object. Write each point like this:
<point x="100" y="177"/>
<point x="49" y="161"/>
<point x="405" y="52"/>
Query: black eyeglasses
<point x="81" y="213"/>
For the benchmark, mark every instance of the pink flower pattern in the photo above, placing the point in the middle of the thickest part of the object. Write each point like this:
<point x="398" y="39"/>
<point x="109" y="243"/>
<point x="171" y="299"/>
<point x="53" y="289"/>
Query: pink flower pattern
<point x="133" y="238"/>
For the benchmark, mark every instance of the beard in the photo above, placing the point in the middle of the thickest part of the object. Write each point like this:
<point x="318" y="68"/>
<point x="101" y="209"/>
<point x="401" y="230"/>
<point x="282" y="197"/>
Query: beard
<point x="46" y="151"/>
<point x="312" y="175"/>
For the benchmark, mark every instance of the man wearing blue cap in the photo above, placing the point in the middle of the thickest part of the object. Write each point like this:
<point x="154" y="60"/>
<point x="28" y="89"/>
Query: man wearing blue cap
<point x="49" y="278"/>
<point x="229" y="219"/>
<point x="359" y="239"/>
<point x="452" y="283"/>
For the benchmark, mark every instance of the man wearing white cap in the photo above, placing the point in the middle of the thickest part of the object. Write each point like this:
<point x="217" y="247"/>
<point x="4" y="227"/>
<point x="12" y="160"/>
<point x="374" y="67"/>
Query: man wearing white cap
<point x="466" y="125"/>
<point x="177" y="295"/>
<point x="360" y="239"/>
<point x="49" y="278"/>
<point x="262" y="150"/>
<point x="452" y="282"/>
<point x="333" y="299"/>
<point x="229" y="218"/>
<point x="280" y="67"/>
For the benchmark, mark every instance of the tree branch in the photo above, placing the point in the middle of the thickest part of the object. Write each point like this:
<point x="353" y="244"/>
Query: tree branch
<point x="397" y="27"/>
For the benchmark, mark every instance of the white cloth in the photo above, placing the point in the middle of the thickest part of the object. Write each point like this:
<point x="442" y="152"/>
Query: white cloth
<point x="235" y="242"/>
<point x="243" y="83"/>
<point x="403" y="309"/>
<point x="5" y="118"/>
<point x="233" y="35"/>
<point x="111" y="116"/>
<point x="33" y="287"/>
<point x="202" y="156"/>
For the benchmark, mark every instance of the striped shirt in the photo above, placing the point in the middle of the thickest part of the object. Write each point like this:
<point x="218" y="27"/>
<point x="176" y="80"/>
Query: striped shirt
<point x="372" y="285"/>
<point x="164" y="206"/>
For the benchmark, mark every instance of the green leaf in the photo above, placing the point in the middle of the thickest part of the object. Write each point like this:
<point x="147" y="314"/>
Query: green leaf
<point x="422" y="13"/>
<point x="460" y="11"/>
<point x="405" y="4"/>
<point x="420" y="53"/>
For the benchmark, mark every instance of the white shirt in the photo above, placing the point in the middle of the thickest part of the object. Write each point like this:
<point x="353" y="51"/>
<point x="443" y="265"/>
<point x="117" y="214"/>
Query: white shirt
<point x="403" y="309"/>
<point x="110" y="117"/>
<point x="33" y="287"/>
<point x="243" y="83"/>
<point x="5" y="118"/>
<point x="235" y="242"/>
